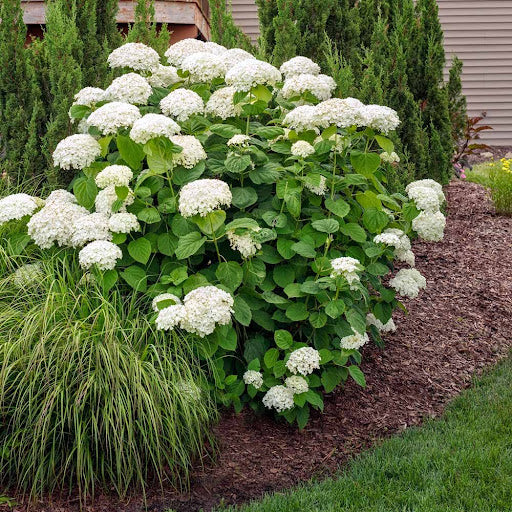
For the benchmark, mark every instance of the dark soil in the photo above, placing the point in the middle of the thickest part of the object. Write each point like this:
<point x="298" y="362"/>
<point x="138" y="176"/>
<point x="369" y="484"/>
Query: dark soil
<point x="461" y="324"/>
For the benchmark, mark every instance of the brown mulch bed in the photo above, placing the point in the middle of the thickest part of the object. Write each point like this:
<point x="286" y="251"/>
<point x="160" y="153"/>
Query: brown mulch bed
<point x="460" y="325"/>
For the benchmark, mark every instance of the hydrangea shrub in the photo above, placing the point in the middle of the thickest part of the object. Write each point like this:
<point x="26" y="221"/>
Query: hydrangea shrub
<point x="249" y="207"/>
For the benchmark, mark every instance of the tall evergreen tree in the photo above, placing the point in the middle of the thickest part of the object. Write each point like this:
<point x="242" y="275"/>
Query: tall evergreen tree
<point x="456" y="100"/>
<point x="267" y="11"/>
<point x="342" y="27"/>
<point x="64" y="51"/>
<point x="224" y="29"/>
<point x="17" y="96"/>
<point x="287" y="33"/>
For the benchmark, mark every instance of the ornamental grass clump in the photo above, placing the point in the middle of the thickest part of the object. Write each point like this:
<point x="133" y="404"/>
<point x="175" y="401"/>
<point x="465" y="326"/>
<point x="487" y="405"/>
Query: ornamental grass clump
<point x="260" y="225"/>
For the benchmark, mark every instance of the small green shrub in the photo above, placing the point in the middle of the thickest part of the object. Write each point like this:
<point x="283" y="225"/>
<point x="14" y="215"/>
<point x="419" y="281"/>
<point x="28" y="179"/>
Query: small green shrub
<point x="500" y="185"/>
<point x="90" y="392"/>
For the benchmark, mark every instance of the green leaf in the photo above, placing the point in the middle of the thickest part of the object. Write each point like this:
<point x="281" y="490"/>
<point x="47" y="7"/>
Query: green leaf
<point x="79" y="111"/>
<point x="365" y="163"/>
<point x="227" y="337"/>
<point x="385" y="143"/>
<point x="149" y="215"/>
<point x="262" y="93"/>
<point x="302" y="417"/>
<point x="410" y="211"/>
<point x="293" y="203"/>
<point x="304" y="249"/>
<point x="356" y="373"/>
<point x="230" y="274"/>
<point x="356" y="320"/>
<point x="335" y="308"/>
<point x="189" y="245"/>
<point x="131" y="152"/>
<point x="244" y="222"/>
<point x="271" y="356"/>
<point x="109" y="279"/>
<point x="340" y="208"/>
<point x="285" y="248"/>
<point x="369" y="199"/>
<point x="297" y="312"/>
<point x="242" y="311"/>
<point x="85" y="191"/>
<point x="274" y="298"/>
<point x="331" y="377"/>
<point x="354" y="231"/>
<point x="375" y="220"/>
<point x="167" y="243"/>
<point x="315" y="399"/>
<point x="244" y="197"/>
<point x="236" y="163"/>
<point x="210" y="223"/>
<point x="224" y="130"/>
<point x="326" y="225"/>
<point x="269" y="132"/>
<point x="140" y="250"/>
<point x="318" y="319"/>
<point x="377" y="269"/>
<point x="136" y="277"/>
<point x="283" y="339"/>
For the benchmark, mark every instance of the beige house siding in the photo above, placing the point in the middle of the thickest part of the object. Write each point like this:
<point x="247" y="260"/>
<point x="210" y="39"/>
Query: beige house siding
<point x="477" y="31"/>
<point x="245" y="14"/>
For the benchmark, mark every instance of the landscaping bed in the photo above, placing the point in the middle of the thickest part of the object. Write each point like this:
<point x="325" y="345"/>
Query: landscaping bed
<point x="457" y="327"/>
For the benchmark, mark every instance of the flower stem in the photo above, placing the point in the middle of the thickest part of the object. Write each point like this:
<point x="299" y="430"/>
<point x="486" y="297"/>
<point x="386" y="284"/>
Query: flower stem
<point x="214" y="239"/>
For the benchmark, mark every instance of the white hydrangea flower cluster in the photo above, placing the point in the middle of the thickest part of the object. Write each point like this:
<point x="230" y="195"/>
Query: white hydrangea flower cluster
<point x="164" y="76"/>
<point x="201" y="197"/>
<point x="389" y="326"/>
<point x="304" y="361"/>
<point x="101" y="253"/>
<point x="408" y="282"/>
<point x="319" y="189"/>
<point x="112" y="116"/>
<point x="89" y="228"/>
<point x="179" y="51"/>
<point x="354" y="341"/>
<point x="302" y="118"/>
<point x="76" y="152"/>
<point x="428" y="196"/>
<point x="296" y="384"/>
<point x="380" y="118"/>
<point x="244" y="244"/>
<point x="343" y="113"/>
<point x="129" y="88"/>
<point x="348" y="268"/>
<point x="202" y="310"/>
<point x="253" y="378"/>
<point x="150" y="126"/>
<point x="250" y="73"/>
<point x="299" y="66"/>
<point x="221" y="104"/>
<point x="89" y="96"/>
<point x="181" y="104"/>
<point x="203" y="67"/>
<point x="239" y="140"/>
<point x="17" y="206"/>
<point x="390" y="158"/>
<point x="234" y="56"/>
<point x="302" y="149"/>
<point x="214" y="48"/>
<point x="430" y="226"/>
<point x="123" y="222"/>
<point x="135" y="56"/>
<point x="27" y="276"/>
<point x="321" y="86"/>
<point x="117" y="175"/>
<point x="279" y="398"/>
<point x="164" y="297"/>
<point x="54" y="222"/>
<point x="106" y="198"/>
<point x="403" y="247"/>
<point x="193" y="151"/>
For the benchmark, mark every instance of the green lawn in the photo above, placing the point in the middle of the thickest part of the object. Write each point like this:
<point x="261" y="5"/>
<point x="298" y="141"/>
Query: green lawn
<point x="480" y="174"/>
<point x="459" y="463"/>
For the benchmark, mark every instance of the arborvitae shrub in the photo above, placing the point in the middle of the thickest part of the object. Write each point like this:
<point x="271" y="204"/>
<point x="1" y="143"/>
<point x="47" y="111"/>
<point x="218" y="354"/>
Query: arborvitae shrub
<point x="456" y="100"/>
<point x="287" y="33"/>
<point x="224" y="29"/>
